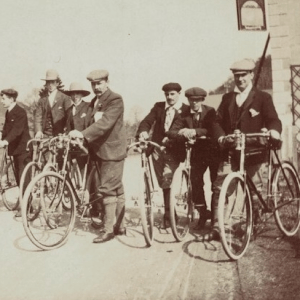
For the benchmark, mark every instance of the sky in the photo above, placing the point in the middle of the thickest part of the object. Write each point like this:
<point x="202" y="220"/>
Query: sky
<point x="143" y="44"/>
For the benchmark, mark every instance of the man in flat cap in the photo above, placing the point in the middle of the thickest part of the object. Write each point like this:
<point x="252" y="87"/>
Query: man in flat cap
<point x="15" y="133"/>
<point x="50" y="115"/>
<point x="248" y="109"/>
<point x="106" y="138"/>
<point x="165" y="163"/>
<point x="196" y="124"/>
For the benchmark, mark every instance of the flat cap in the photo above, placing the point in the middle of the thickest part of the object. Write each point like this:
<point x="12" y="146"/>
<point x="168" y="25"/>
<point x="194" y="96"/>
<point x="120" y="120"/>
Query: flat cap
<point x="242" y="66"/>
<point x="10" y="92"/>
<point x="97" y="75"/>
<point x="171" y="86"/>
<point x="195" y="93"/>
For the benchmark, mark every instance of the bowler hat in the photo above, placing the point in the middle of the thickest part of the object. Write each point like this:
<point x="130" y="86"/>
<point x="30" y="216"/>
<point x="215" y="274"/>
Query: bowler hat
<point x="51" y="75"/>
<point x="10" y="92"/>
<point x="97" y="75"/>
<point x="242" y="66"/>
<point x="76" y="87"/>
<point x="171" y="86"/>
<point x="195" y="93"/>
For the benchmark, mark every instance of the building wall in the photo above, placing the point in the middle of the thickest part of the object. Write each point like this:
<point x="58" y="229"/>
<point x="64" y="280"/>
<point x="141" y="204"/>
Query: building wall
<point x="284" y="28"/>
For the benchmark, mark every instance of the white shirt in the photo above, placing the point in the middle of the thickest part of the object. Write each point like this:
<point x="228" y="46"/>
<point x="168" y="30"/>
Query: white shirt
<point x="11" y="106"/>
<point x="195" y="112"/>
<point x="51" y="97"/>
<point x="242" y="95"/>
<point x="74" y="107"/>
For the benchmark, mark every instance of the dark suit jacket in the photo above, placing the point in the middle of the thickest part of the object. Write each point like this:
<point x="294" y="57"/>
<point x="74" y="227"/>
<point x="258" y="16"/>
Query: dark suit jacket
<point x="16" y="130"/>
<point x="258" y="112"/>
<point x="204" y="128"/>
<point x="61" y="104"/>
<point x="106" y="137"/>
<point x="79" y="120"/>
<point x="157" y="117"/>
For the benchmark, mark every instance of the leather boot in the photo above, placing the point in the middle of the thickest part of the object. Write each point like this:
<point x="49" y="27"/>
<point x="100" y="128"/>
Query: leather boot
<point x="166" y="219"/>
<point x="203" y="216"/>
<point x="107" y="233"/>
<point x="119" y="228"/>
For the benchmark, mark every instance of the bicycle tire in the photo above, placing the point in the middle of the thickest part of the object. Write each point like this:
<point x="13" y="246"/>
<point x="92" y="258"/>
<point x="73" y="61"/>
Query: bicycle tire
<point x="146" y="208"/>
<point x="51" y="228"/>
<point x="235" y="216"/>
<point x="286" y="199"/>
<point x="180" y="204"/>
<point x="10" y="189"/>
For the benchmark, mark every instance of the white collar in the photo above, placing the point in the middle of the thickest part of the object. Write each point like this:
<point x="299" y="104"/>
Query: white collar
<point x="77" y="103"/>
<point x="246" y="91"/>
<point x="198" y="111"/>
<point x="177" y="105"/>
<point x="11" y="106"/>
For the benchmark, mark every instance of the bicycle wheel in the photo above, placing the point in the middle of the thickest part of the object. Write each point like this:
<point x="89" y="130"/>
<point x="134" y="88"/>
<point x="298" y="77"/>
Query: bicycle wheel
<point x="180" y="204"/>
<point x="235" y="216"/>
<point x="30" y="171"/>
<point x="146" y="208"/>
<point x="9" y="186"/>
<point x="51" y="226"/>
<point x="286" y="192"/>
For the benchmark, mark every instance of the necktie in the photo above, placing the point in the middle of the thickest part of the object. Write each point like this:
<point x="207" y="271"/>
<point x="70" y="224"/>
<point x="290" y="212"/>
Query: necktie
<point x="196" y="118"/>
<point x="169" y="117"/>
<point x="74" y="110"/>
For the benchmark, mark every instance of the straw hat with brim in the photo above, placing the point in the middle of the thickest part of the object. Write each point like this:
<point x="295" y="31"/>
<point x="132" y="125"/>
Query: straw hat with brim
<point x="76" y="87"/>
<point x="51" y="75"/>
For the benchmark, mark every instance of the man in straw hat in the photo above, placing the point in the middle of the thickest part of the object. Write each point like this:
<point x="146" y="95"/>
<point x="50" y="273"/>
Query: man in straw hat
<point x="249" y="110"/>
<point x="106" y="139"/>
<point x="50" y="116"/>
<point x="76" y="114"/>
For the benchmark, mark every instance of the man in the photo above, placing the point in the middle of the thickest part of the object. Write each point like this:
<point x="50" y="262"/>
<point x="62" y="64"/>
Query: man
<point x="106" y="139"/>
<point x="15" y="133"/>
<point x="50" y="116"/>
<point x="196" y="123"/>
<point x="76" y="115"/>
<point x="249" y="110"/>
<point x="165" y="163"/>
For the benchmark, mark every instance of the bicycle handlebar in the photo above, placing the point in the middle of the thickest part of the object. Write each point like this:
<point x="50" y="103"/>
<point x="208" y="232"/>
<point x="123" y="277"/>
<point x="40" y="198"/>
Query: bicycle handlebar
<point x="143" y="144"/>
<point x="67" y="139"/>
<point x="41" y="142"/>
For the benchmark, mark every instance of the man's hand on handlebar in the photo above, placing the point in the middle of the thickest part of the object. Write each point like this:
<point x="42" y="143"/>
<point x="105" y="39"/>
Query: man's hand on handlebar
<point x="188" y="133"/>
<point x="226" y="142"/>
<point x="75" y="134"/>
<point x="143" y="136"/>
<point x="39" y="135"/>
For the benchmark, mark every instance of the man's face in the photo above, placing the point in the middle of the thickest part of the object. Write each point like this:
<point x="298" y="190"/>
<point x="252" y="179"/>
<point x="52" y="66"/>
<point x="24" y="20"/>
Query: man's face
<point x="195" y="104"/>
<point x="51" y="85"/>
<point x="172" y="97"/>
<point x="242" y="80"/>
<point x="76" y="97"/>
<point x="99" y="87"/>
<point x="6" y="101"/>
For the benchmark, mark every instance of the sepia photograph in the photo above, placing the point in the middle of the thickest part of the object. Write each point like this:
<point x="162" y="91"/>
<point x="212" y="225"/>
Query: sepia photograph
<point x="149" y="150"/>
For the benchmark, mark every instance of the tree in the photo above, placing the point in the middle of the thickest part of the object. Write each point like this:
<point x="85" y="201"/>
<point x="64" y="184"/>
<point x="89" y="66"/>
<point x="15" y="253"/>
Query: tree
<point x="264" y="81"/>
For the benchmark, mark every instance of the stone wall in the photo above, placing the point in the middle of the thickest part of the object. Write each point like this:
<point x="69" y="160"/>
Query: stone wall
<point x="284" y="28"/>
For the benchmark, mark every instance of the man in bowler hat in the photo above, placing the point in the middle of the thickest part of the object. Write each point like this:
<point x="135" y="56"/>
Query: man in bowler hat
<point x="166" y="162"/>
<point x="106" y="138"/>
<point x="50" y="115"/>
<point x="15" y="134"/>
<point x="196" y="124"/>
<point x="248" y="109"/>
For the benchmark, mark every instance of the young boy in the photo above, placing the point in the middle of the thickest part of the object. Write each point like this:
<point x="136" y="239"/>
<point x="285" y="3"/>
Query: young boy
<point x="15" y="134"/>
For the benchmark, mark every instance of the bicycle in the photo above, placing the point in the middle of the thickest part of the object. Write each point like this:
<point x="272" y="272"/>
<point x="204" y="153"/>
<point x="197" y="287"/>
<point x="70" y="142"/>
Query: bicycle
<point x="52" y="198"/>
<point x="181" y="202"/>
<point x="235" y="201"/>
<point x="146" y="188"/>
<point x="8" y="183"/>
